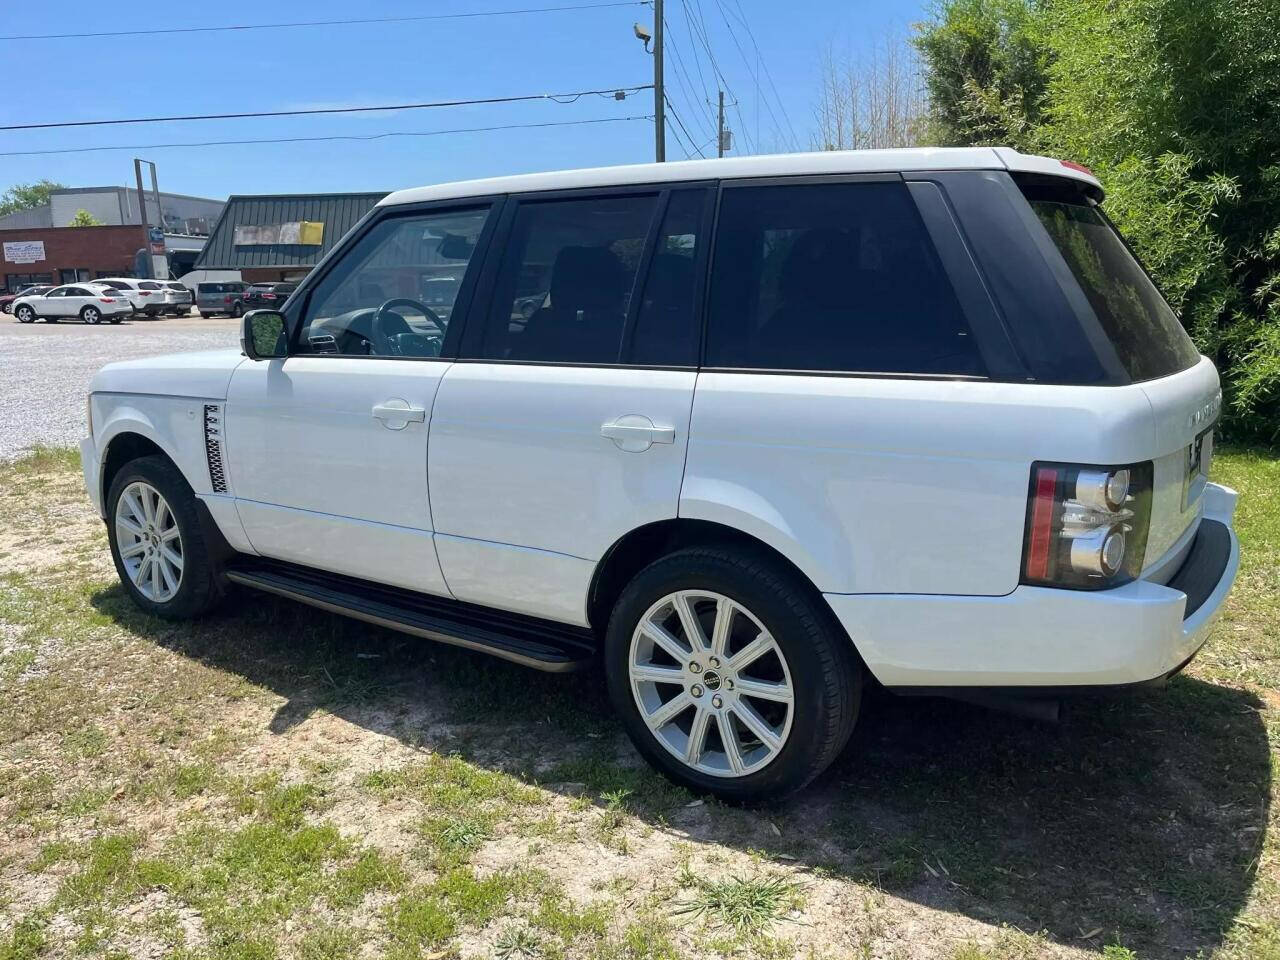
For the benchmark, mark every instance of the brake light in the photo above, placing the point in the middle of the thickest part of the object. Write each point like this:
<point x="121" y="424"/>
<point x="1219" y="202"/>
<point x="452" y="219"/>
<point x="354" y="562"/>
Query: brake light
<point x="1086" y="526"/>
<point x="1072" y="165"/>
<point x="105" y="300"/>
<point x="268" y="296"/>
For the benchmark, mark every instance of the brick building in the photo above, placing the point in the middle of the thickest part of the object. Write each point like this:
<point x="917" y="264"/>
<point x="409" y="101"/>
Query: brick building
<point x="67" y="254"/>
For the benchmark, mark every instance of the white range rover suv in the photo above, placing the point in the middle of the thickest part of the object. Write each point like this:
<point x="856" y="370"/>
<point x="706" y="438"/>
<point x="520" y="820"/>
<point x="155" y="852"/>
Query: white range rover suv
<point x="774" y="426"/>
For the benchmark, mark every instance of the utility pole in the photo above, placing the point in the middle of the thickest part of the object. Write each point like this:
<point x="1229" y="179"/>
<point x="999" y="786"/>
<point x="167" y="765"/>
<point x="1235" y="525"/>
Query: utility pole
<point x="659" y="95"/>
<point x="720" y="128"/>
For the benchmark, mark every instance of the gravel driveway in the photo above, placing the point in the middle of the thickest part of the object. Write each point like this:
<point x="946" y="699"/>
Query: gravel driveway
<point x="45" y="369"/>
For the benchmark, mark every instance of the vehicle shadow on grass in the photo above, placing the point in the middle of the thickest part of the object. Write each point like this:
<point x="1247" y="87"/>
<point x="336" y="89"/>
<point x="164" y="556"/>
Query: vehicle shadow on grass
<point x="1137" y="820"/>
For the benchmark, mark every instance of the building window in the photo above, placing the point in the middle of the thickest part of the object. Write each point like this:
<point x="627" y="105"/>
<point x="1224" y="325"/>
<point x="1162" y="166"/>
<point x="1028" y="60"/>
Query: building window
<point x="73" y="275"/>
<point x="17" y="281"/>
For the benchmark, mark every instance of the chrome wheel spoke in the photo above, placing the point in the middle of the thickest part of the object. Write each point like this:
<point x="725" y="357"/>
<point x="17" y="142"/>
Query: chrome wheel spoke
<point x="133" y="549"/>
<point x="764" y="689"/>
<point x="752" y="652"/>
<point x="732" y="751"/>
<point x="663" y="638"/>
<point x="689" y="622"/>
<point x="656" y="674"/>
<point x="723" y="623"/>
<point x="697" y="736"/>
<point x="142" y="572"/>
<point x="669" y="711"/>
<point x="757" y="725"/>
<point x="171" y="558"/>
<point x="170" y="534"/>
<point x="129" y="526"/>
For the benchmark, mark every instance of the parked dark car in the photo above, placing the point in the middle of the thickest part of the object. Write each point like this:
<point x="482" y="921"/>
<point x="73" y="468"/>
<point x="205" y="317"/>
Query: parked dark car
<point x="221" y="296"/>
<point x="262" y="295"/>
<point x="6" y="299"/>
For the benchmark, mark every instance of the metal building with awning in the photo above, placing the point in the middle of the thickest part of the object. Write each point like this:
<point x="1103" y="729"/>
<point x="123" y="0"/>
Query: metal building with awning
<point x="281" y="237"/>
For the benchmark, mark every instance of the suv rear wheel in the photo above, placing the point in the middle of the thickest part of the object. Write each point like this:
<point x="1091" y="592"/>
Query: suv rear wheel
<point x="25" y="314"/>
<point x="157" y="542"/>
<point x="729" y="675"/>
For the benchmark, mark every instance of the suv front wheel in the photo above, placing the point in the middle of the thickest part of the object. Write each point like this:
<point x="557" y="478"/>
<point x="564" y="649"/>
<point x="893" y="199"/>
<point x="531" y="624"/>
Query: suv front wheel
<point x="729" y="675"/>
<point x="157" y="542"/>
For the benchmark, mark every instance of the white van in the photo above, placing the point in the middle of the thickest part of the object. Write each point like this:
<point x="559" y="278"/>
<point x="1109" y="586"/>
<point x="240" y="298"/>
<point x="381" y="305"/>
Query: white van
<point x="775" y="426"/>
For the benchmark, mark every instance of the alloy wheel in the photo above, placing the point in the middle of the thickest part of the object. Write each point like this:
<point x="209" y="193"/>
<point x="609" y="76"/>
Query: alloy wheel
<point x="91" y="315"/>
<point x="711" y="683"/>
<point x="149" y="542"/>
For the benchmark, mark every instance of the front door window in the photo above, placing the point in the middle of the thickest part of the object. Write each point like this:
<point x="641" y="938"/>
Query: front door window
<point x="393" y="294"/>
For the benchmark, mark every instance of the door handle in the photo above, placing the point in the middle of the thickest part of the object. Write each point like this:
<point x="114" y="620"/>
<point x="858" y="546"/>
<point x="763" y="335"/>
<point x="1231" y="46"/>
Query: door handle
<point x="397" y="414"/>
<point x="635" y="433"/>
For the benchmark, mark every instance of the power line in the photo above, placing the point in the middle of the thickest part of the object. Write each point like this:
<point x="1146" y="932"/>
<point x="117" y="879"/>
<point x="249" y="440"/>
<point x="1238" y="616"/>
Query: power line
<point x="685" y="80"/>
<point x="330" y="23"/>
<point x="675" y="116"/>
<point x="557" y="97"/>
<point x="755" y="75"/>
<point x="742" y="18"/>
<point x="372" y="136"/>
<point x="698" y="29"/>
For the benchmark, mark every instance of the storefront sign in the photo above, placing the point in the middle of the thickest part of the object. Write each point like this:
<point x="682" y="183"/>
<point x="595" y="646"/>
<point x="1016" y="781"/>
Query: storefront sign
<point x="24" y="251"/>
<point x="307" y="233"/>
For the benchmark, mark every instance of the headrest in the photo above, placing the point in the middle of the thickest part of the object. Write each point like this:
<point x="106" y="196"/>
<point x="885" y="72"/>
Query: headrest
<point x="587" y="278"/>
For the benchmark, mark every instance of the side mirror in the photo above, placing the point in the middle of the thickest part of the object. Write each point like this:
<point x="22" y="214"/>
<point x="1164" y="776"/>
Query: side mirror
<point x="262" y="335"/>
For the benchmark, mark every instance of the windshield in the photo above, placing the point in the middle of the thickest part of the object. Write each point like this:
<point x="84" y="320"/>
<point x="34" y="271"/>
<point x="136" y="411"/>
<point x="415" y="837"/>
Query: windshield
<point x="1148" y="339"/>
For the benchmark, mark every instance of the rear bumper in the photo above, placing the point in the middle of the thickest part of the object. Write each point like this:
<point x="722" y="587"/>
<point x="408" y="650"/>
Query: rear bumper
<point x="1044" y="638"/>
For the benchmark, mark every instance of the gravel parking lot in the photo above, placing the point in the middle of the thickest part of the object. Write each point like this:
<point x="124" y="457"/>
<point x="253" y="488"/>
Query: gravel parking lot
<point x="45" y="369"/>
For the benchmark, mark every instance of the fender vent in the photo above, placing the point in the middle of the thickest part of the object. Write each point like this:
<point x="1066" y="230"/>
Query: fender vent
<point x="213" y="446"/>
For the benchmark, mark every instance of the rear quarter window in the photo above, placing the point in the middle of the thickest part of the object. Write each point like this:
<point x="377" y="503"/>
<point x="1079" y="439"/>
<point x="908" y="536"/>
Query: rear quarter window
<point x="832" y="277"/>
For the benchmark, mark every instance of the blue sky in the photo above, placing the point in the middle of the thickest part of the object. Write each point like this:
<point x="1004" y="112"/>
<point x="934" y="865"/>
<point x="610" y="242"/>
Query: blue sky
<point x="131" y="76"/>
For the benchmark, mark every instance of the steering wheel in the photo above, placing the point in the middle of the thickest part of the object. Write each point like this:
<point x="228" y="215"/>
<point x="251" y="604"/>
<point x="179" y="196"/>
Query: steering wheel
<point x="382" y="342"/>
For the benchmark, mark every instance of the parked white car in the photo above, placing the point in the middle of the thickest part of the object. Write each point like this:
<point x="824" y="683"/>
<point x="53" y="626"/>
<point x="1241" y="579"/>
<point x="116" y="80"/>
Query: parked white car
<point x="147" y="296"/>
<point x="779" y="426"/>
<point x="88" y="301"/>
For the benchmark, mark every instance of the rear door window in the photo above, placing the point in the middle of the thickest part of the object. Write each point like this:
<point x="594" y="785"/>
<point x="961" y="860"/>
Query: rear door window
<point x="832" y="277"/>
<point x="566" y="279"/>
<point x="1148" y="339"/>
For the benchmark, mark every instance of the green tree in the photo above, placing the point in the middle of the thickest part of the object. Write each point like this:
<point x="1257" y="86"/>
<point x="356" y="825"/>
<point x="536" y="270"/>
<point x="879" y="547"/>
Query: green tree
<point x="986" y="71"/>
<point x="84" y="218"/>
<point x="1173" y="105"/>
<point x="24" y="196"/>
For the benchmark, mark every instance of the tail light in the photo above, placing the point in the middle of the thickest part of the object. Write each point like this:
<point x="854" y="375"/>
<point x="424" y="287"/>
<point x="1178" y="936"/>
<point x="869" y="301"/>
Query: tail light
<point x="268" y="296"/>
<point x="227" y="299"/>
<point x="106" y="300"/>
<point x="1086" y="525"/>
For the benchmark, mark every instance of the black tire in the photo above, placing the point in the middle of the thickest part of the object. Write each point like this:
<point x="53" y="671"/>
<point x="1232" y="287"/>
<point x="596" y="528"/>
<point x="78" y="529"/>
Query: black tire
<point x="200" y="587"/>
<point x="826" y="673"/>
<point x="50" y="319"/>
<point x="203" y="315"/>
<point x="237" y="309"/>
<point x="91" y="315"/>
<point x="114" y="319"/>
<point x="25" y="314"/>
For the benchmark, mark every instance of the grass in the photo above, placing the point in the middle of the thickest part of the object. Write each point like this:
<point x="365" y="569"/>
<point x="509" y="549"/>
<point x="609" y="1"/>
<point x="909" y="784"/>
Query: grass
<point x="276" y="782"/>
<point x="744" y="906"/>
